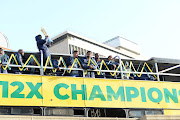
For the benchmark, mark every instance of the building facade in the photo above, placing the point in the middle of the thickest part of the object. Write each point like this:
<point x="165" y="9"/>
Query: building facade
<point x="68" y="41"/>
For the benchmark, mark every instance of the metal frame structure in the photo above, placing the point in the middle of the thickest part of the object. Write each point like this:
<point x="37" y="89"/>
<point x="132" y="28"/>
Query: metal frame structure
<point x="122" y="71"/>
<point x="157" y="71"/>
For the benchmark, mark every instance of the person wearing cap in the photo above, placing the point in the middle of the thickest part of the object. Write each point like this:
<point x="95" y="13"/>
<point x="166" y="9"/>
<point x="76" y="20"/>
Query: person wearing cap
<point x="3" y="60"/>
<point x="42" y="45"/>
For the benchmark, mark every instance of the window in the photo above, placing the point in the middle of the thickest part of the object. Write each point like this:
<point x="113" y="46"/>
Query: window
<point x="70" y="51"/>
<point x="82" y="51"/>
<point x="75" y="48"/>
<point x="72" y="47"/>
<point x="153" y="112"/>
<point x="149" y="112"/>
<point x="85" y="51"/>
<point x="136" y="113"/>
<point x="79" y="49"/>
<point x="140" y="113"/>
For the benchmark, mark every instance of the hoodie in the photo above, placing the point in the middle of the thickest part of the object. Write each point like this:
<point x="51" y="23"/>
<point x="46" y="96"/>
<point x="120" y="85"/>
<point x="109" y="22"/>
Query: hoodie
<point x="41" y="43"/>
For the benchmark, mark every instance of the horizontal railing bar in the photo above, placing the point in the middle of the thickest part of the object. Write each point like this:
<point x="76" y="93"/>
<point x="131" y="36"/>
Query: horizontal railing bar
<point x="28" y="66"/>
<point x="125" y="72"/>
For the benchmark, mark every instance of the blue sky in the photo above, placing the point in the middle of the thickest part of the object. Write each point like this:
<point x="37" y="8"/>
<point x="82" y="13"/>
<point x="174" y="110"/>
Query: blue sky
<point x="153" y="24"/>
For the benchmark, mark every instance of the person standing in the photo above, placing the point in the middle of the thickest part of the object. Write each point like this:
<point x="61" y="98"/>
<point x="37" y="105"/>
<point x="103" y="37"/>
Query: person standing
<point x="57" y="64"/>
<point x="91" y="66"/>
<point x="20" y="60"/>
<point x="3" y="60"/>
<point x="42" y="45"/>
<point x="111" y="65"/>
<point x="98" y="63"/>
<point x="70" y="61"/>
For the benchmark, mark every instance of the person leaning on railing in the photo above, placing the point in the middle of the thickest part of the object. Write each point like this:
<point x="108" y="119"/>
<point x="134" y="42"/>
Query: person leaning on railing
<point x="3" y="60"/>
<point x="33" y="70"/>
<point x="98" y="63"/>
<point x="57" y="64"/>
<point x="111" y="64"/>
<point x="72" y="62"/>
<point x="20" y="58"/>
<point x="89" y="64"/>
<point x="127" y="69"/>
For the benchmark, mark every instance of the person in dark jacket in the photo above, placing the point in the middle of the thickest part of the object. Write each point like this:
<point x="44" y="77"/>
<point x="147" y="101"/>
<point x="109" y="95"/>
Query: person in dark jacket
<point x="57" y="64"/>
<point x="3" y="61"/>
<point x="98" y="63"/>
<point x="97" y="59"/>
<point x="111" y="65"/>
<point x="70" y="61"/>
<point x="91" y="66"/>
<point x="33" y="70"/>
<point x="19" y="57"/>
<point x="42" y="45"/>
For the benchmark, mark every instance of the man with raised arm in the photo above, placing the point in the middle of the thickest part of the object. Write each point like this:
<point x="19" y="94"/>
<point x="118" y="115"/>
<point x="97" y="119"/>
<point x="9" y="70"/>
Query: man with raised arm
<point x="42" y="45"/>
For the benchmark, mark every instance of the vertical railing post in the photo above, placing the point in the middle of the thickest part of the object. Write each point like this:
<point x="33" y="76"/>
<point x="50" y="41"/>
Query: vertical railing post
<point x="127" y="112"/>
<point x="120" y="61"/>
<point x="42" y="111"/>
<point x="157" y="71"/>
<point x="83" y="73"/>
<point x="86" y="110"/>
<point x="42" y="69"/>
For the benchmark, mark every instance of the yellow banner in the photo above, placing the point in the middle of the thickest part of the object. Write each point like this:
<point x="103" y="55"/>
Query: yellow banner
<point x="15" y="90"/>
<point x="30" y="90"/>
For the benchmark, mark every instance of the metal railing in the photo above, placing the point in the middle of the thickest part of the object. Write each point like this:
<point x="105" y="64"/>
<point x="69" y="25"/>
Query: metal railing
<point x="122" y="68"/>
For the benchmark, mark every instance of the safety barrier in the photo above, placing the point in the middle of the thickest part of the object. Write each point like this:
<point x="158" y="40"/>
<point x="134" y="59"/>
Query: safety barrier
<point x="20" y="68"/>
<point x="121" y="68"/>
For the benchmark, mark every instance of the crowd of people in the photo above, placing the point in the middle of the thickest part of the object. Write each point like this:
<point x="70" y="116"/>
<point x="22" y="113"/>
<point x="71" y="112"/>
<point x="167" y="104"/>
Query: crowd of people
<point x="88" y="63"/>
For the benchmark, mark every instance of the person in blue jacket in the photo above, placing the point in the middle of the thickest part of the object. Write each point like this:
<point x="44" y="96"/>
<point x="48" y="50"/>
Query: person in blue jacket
<point x="70" y="61"/>
<point x="91" y="66"/>
<point x="20" y="60"/>
<point x="3" y="60"/>
<point x="42" y="44"/>
<point x="57" y="64"/>
<point x="98" y="63"/>
<point x="111" y="64"/>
